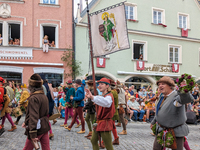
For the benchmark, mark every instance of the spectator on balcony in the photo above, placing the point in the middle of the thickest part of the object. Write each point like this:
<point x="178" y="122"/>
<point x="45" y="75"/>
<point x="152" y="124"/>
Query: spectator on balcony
<point x="53" y="44"/>
<point x="16" y="42"/>
<point x="141" y="57"/>
<point x="1" y="40"/>
<point x="45" y="43"/>
<point x="10" y="41"/>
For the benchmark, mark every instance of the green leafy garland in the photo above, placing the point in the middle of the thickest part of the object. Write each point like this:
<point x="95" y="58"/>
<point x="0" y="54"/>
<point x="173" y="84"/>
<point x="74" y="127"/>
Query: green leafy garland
<point x="190" y="82"/>
<point x="169" y="139"/>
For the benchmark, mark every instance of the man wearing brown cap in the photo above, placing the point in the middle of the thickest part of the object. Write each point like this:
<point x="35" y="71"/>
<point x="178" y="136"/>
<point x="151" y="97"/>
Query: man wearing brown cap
<point x="170" y="112"/>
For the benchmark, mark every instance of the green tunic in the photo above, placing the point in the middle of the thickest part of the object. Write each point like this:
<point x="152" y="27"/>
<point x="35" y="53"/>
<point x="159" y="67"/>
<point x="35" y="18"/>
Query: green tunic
<point x="107" y="34"/>
<point x="115" y="96"/>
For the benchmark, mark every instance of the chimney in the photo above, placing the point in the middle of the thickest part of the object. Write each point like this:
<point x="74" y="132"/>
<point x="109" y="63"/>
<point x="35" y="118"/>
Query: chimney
<point x="78" y="15"/>
<point x="81" y="6"/>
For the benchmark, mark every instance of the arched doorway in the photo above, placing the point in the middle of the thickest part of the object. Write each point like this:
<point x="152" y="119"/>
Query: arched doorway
<point x="138" y="82"/>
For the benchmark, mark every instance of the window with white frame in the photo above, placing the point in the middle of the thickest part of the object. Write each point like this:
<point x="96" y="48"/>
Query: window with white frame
<point x="131" y="11"/>
<point x="14" y="34"/>
<point x="158" y="16"/>
<point x="52" y="33"/>
<point x="175" y="54"/>
<point x="183" y="21"/>
<point x="139" y="50"/>
<point x="49" y="1"/>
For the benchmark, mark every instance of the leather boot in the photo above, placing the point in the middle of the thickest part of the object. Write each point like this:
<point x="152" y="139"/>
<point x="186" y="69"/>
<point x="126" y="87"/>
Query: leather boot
<point x="13" y="128"/>
<point x="78" y="125"/>
<point x="116" y="141"/>
<point x="89" y="134"/>
<point x="118" y="125"/>
<point x="81" y="132"/>
<point x="123" y="132"/>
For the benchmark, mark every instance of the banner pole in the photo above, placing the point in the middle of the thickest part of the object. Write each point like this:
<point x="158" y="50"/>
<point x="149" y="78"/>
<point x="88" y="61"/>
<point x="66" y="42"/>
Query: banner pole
<point x="91" y="50"/>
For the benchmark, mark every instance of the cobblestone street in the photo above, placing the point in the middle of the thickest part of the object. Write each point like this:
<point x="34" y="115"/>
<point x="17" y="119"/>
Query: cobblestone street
<point x="138" y="138"/>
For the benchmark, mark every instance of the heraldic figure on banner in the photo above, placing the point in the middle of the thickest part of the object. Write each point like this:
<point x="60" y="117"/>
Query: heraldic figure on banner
<point x="107" y="31"/>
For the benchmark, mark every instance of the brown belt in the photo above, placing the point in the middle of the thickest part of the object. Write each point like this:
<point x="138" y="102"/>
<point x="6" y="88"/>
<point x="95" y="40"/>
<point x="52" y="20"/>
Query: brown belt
<point x="102" y="120"/>
<point x="169" y="128"/>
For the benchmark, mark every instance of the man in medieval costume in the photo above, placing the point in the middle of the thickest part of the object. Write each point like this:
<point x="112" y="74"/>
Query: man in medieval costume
<point x="23" y="102"/>
<point x="36" y="121"/>
<point x="105" y="112"/>
<point x="5" y="113"/>
<point x="170" y="113"/>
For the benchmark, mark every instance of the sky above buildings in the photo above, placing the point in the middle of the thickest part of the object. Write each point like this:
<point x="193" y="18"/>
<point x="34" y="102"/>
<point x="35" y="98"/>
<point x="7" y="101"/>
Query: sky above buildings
<point x="75" y="5"/>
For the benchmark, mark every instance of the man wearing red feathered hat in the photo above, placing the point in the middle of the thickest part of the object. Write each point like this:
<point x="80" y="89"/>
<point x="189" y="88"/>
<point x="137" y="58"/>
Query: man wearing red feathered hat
<point x="105" y="112"/>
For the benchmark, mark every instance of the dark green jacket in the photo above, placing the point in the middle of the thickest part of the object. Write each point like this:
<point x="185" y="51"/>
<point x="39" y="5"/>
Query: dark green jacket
<point x="70" y="92"/>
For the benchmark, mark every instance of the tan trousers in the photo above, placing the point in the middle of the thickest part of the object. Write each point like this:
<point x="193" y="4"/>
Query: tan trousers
<point x="179" y="141"/>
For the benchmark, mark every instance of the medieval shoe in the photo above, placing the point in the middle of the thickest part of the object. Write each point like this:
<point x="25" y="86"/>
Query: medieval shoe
<point x="51" y="136"/>
<point x="89" y="134"/>
<point x="123" y="132"/>
<point x="101" y="145"/>
<point x="2" y="131"/>
<point x="16" y="122"/>
<point x="54" y="121"/>
<point x="78" y="125"/>
<point x="81" y="132"/>
<point x="89" y="138"/>
<point x="63" y="125"/>
<point x="13" y="128"/>
<point x="116" y="141"/>
<point x="118" y="125"/>
<point x="69" y="129"/>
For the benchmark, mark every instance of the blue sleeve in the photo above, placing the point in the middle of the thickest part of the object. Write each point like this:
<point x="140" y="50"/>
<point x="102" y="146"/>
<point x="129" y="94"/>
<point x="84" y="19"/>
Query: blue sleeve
<point x="83" y="82"/>
<point x="80" y="95"/>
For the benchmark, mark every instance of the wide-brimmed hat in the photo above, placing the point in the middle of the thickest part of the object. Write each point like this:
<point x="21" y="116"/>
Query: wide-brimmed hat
<point x="104" y="80"/>
<point x="132" y="97"/>
<point x="90" y="82"/>
<point x="166" y="80"/>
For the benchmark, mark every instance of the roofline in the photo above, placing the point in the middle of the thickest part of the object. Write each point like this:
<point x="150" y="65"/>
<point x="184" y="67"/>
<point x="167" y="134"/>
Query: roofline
<point x="91" y="4"/>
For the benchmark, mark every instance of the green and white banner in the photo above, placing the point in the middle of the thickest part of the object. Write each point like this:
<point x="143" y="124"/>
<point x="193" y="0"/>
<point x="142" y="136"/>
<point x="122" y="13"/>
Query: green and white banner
<point x="109" y="30"/>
